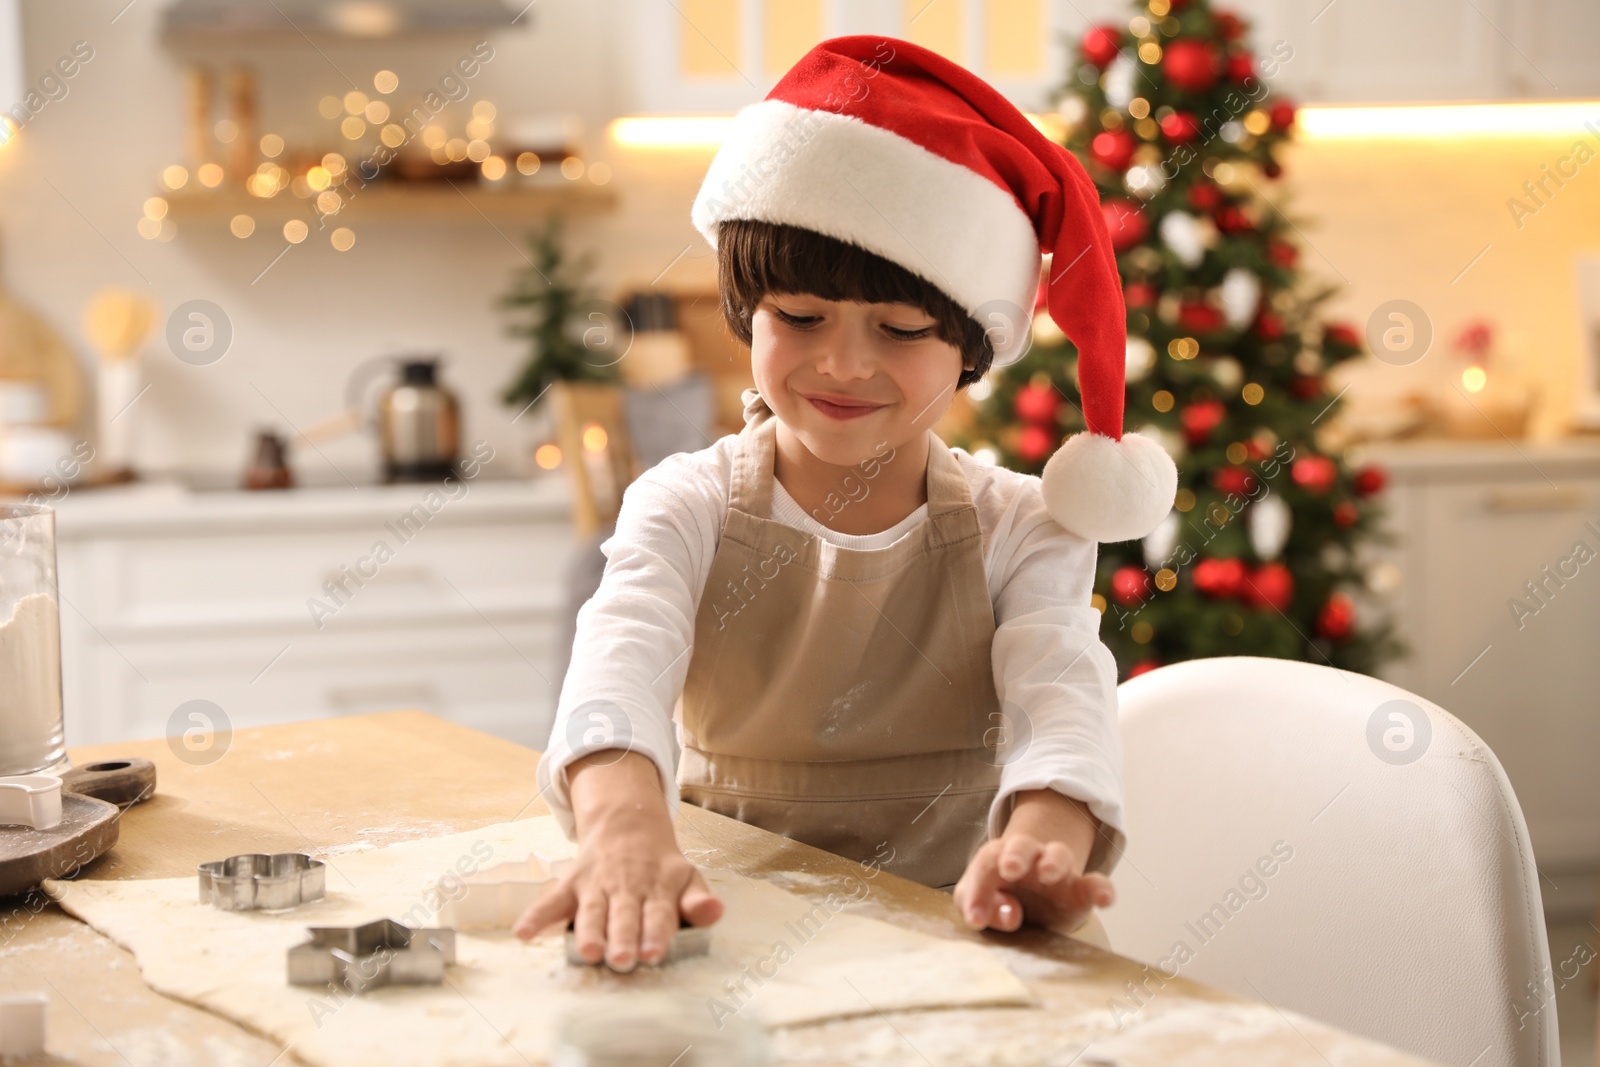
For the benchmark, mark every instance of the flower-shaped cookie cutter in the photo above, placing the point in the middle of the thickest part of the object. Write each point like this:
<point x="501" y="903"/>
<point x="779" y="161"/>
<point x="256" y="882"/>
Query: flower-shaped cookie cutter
<point x="374" y="954"/>
<point x="30" y="800"/>
<point x="493" y="898"/>
<point x="257" y="881"/>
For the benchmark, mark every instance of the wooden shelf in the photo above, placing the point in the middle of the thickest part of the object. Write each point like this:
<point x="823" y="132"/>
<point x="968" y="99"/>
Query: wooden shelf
<point x="408" y="201"/>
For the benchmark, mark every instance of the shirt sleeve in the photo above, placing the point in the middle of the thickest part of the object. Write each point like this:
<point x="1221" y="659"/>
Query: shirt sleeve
<point x="630" y="653"/>
<point x="1055" y="679"/>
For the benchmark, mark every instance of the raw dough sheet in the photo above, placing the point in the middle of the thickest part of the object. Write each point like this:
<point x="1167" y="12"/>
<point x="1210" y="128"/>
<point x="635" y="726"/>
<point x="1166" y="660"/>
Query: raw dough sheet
<point x="775" y="958"/>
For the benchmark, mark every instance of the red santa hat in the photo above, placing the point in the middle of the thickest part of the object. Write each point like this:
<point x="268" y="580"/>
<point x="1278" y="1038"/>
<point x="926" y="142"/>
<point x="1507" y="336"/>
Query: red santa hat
<point x="895" y="149"/>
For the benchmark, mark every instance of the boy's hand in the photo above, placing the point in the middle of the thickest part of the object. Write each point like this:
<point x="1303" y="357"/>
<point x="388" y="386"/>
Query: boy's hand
<point x="629" y="884"/>
<point x="1034" y="870"/>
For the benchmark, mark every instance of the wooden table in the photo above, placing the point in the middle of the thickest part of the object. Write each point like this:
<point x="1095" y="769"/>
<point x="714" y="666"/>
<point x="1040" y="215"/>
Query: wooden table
<point x="372" y="780"/>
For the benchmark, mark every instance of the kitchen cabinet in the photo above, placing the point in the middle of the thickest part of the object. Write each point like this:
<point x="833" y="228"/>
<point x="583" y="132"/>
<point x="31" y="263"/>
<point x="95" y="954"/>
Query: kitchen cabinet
<point x="718" y="55"/>
<point x="1501" y="608"/>
<point x="1371" y="51"/>
<point x="280" y="606"/>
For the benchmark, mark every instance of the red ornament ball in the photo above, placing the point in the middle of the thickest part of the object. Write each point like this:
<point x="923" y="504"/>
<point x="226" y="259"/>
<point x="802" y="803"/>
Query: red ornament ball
<point x="1113" y="148"/>
<point x="1281" y="115"/>
<point x="1282" y="254"/>
<point x="1337" y="619"/>
<point x="1101" y="45"/>
<point x="1345" y="514"/>
<point x="1232" y="219"/>
<point x="1200" y="419"/>
<point x="1314" y="474"/>
<point x="1037" y="404"/>
<point x="1130" y="585"/>
<point x="1235" y="481"/>
<point x="1341" y="334"/>
<point x="1125" y="222"/>
<point x="1139" y="295"/>
<point x="1230" y="27"/>
<point x="1306" y="387"/>
<point x="1180" y="127"/>
<point x="1143" y="668"/>
<point x="1271" y="586"/>
<point x="1204" y="196"/>
<point x="1036" y="442"/>
<point x="1195" y="317"/>
<point x="1272" y="169"/>
<point x="1219" y="578"/>
<point x="1370" y="481"/>
<point x="1191" y="65"/>
<point x="1269" y="327"/>
<point x="1241" y="65"/>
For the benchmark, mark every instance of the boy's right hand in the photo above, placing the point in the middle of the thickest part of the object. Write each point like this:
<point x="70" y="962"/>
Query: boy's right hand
<point x="629" y="883"/>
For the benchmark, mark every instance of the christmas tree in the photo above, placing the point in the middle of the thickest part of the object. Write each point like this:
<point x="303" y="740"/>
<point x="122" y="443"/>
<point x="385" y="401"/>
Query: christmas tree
<point x="1227" y="361"/>
<point x="559" y="317"/>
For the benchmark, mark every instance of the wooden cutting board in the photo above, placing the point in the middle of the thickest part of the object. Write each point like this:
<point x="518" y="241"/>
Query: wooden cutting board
<point x="92" y="799"/>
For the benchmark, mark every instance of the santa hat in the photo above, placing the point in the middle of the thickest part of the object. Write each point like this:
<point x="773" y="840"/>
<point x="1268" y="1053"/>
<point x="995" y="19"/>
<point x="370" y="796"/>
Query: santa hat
<point x="895" y="149"/>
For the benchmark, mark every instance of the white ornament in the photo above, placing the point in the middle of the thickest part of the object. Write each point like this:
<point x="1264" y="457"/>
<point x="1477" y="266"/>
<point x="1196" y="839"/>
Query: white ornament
<point x="1158" y="543"/>
<point x="1226" y="372"/>
<point x="1231" y="132"/>
<point x="1270" y="520"/>
<point x="1145" y="181"/>
<point x="1241" y="296"/>
<point x="1141" y="357"/>
<point x="1121" y="80"/>
<point x="1181" y="233"/>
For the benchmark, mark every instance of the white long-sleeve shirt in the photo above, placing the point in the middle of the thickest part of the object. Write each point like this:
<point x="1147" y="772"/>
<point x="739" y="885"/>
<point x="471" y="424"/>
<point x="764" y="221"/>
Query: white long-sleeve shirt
<point x="635" y="635"/>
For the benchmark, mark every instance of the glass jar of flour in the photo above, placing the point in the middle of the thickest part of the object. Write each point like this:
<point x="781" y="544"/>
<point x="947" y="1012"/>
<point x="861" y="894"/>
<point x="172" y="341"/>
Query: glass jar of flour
<point x="30" y="643"/>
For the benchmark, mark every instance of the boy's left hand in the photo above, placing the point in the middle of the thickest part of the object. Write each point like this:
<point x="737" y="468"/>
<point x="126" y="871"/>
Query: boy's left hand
<point x="1034" y="870"/>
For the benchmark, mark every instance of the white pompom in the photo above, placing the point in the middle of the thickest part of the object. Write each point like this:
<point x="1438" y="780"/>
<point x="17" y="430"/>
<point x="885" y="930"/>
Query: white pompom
<point x="1106" y="490"/>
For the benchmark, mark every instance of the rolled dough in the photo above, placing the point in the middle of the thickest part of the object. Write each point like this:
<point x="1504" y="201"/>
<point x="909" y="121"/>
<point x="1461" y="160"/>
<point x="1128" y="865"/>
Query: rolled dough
<point x="775" y="958"/>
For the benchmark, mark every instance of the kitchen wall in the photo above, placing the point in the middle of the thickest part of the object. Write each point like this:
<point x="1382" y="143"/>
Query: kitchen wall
<point x="1387" y="219"/>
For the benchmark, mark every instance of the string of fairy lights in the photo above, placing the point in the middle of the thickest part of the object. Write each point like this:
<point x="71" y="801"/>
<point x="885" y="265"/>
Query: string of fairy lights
<point x="328" y="182"/>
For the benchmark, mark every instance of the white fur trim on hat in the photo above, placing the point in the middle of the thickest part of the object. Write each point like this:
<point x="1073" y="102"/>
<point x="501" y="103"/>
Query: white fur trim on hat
<point x="1106" y="490"/>
<point x="856" y="182"/>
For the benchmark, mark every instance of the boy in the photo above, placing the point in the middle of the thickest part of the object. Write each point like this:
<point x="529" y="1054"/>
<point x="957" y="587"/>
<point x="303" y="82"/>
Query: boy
<point x="883" y="647"/>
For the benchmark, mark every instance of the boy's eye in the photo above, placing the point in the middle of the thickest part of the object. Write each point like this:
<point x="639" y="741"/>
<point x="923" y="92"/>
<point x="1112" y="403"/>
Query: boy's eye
<point x="801" y="321"/>
<point x="907" y="335"/>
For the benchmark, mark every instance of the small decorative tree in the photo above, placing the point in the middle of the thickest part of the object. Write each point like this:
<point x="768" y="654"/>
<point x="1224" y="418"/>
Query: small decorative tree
<point x="551" y="305"/>
<point x="1227" y="362"/>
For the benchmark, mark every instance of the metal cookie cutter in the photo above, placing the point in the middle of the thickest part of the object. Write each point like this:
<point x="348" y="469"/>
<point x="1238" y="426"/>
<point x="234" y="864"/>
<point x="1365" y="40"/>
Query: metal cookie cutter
<point x="378" y="953"/>
<point x="688" y="942"/>
<point x="258" y="881"/>
<point x="30" y="800"/>
<point x="495" y="897"/>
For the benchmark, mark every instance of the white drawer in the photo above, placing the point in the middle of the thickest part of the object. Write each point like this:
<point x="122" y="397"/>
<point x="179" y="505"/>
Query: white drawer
<point x="307" y="581"/>
<point x="497" y="678"/>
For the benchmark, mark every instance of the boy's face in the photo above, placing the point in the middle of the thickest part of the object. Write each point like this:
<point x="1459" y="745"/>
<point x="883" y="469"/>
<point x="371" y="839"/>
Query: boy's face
<point x="846" y="377"/>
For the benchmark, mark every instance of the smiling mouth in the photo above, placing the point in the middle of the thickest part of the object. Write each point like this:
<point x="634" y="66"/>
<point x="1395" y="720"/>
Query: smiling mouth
<point x="841" y="409"/>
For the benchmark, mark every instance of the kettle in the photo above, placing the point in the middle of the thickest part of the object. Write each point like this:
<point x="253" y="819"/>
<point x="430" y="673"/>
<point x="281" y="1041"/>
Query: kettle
<point x="419" y="425"/>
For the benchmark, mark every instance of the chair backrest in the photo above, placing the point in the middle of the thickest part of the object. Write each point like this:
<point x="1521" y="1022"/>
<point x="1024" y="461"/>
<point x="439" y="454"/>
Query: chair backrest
<point x="1335" y="846"/>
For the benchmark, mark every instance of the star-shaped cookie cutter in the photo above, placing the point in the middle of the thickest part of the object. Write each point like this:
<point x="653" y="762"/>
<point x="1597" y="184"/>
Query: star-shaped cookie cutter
<point x="374" y="954"/>
<point x="260" y="881"/>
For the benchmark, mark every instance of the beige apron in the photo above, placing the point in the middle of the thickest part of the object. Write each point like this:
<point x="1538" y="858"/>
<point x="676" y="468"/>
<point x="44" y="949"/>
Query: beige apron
<point x="843" y="697"/>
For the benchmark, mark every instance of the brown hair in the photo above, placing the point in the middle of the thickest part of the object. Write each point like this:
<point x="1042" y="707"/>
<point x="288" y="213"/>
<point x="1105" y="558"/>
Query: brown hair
<point x="756" y="258"/>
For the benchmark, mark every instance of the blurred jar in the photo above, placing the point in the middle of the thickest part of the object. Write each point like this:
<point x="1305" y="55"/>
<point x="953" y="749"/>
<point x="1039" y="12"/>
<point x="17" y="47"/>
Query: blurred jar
<point x="31" y="739"/>
<point x="628" y="1030"/>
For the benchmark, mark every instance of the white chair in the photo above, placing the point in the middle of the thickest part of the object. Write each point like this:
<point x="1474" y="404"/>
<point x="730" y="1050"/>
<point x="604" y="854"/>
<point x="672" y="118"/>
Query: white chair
<point x="1335" y="846"/>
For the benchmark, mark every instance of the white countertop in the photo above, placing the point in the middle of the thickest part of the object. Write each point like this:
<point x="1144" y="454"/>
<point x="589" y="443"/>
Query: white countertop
<point x="157" y="508"/>
<point x="1471" y="459"/>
